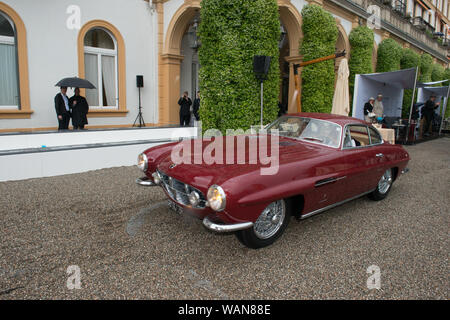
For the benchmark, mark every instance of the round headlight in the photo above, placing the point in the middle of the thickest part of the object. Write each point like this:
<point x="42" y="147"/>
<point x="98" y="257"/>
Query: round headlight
<point x="216" y="198"/>
<point x="194" y="198"/>
<point x="142" y="162"/>
<point x="156" y="178"/>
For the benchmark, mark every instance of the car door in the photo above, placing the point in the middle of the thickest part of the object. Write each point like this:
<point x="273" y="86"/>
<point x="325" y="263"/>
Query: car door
<point x="362" y="162"/>
<point x="376" y="146"/>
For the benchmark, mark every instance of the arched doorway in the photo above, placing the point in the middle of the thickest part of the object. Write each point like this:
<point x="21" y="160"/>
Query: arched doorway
<point x="176" y="57"/>
<point x="179" y="64"/>
<point x="342" y="43"/>
<point x="291" y="21"/>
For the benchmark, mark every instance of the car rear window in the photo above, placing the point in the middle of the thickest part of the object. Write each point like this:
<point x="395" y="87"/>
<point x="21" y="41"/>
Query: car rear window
<point x="375" y="137"/>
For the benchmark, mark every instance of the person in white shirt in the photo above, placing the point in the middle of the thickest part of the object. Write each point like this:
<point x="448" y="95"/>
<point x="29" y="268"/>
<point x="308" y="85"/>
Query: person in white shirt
<point x="62" y="109"/>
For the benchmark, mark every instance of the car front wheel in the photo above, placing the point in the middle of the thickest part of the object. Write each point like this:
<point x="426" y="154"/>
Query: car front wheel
<point x="383" y="186"/>
<point x="270" y="225"/>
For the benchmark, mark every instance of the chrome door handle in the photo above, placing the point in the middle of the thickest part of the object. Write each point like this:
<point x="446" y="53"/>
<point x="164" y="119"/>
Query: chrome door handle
<point x="379" y="155"/>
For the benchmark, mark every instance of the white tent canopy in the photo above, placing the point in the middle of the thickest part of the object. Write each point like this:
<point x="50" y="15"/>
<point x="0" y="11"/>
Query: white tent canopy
<point x="390" y="84"/>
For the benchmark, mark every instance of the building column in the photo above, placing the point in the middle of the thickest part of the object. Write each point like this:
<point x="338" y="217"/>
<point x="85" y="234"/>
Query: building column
<point x="169" y="88"/>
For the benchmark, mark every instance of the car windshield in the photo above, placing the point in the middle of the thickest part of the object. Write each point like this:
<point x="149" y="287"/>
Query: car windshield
<point x="307" y="129"/>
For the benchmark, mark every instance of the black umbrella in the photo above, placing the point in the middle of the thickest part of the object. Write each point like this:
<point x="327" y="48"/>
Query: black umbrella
<point x="75" y="82"/>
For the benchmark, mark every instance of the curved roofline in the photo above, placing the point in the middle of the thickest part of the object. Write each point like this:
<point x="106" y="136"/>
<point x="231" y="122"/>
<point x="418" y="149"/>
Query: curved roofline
<point x="342" y="120"/>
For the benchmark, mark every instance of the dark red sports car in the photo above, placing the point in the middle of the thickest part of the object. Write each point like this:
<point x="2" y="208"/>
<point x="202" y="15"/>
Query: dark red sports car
<point x="317" y="161"/>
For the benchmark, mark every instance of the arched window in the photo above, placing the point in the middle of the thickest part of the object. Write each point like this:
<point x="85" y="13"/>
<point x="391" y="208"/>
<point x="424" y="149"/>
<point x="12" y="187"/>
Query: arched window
<point x="9" y="72"/>
<point x="100" y="67"/>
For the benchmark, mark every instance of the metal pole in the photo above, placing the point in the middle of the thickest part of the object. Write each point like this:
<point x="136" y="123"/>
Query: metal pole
<point x="262" y="102"/>
<point x="443" y="109"/>
<point x="411" y="109"/>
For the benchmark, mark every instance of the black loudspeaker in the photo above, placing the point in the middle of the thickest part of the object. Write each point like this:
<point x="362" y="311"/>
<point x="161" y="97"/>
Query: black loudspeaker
<point x="261" y="65"/>
<point x="139" y="81"/>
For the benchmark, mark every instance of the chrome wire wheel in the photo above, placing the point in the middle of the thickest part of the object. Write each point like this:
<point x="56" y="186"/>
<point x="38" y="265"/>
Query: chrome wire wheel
<point x="270" y="220"/>
<point x="385" y="182"/>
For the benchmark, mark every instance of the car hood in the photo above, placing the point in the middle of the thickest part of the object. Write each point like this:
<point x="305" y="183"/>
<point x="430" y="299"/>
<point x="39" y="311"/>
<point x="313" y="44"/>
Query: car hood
<point x="202" y="175"/>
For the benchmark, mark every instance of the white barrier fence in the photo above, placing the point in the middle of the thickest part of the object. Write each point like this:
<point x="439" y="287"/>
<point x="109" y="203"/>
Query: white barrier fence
<point x="35" y="155"/>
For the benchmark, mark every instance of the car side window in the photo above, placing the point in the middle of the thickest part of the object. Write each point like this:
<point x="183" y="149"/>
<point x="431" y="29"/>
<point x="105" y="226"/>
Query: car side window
<point x="375" y="137"/>
<point x="356" y="136"/>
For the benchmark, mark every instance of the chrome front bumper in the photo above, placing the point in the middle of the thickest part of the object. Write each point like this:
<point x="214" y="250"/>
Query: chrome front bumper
<point x="226" y="227"/>
<point x="145" y="181"/>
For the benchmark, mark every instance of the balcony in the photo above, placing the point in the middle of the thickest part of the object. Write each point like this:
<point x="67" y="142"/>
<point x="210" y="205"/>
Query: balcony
<point x="421" y="24"/>
<point x="396" y="21"/>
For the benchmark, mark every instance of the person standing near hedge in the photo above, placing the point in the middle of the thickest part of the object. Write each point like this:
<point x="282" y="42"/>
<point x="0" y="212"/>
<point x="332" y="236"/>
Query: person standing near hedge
<point x="378" y="107"/>
<point x="196" y="106"/>
<point x="185" y="109"/>
<point x="368" y="108"/>
<point x="428" y="114"/>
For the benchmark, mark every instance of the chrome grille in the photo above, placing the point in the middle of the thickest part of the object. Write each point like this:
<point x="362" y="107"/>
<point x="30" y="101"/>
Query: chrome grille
<point x="179" y="191"/>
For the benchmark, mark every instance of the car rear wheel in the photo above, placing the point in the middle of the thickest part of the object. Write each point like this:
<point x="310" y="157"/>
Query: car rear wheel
<point x="270" y="225"/>
<point x="383" y="187"/>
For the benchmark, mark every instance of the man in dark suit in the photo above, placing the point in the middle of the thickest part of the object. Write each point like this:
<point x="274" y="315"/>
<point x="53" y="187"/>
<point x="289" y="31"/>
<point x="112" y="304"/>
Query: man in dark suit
<point x="79" y="108"/>
<point x="62" y="109"/>
<point x="185" y="109"/>
<point x="196" y="106"/>
<point x="428" y="114"/>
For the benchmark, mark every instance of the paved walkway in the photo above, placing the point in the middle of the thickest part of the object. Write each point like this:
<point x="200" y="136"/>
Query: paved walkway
<point x="128" y="245"/>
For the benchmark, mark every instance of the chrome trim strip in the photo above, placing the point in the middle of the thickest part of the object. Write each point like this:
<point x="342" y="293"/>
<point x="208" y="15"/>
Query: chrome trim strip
<point x="226" y="227"/>
<point x="328" y="180"/>
<point x="145" y="181"/>
<point x="307" y="215"/>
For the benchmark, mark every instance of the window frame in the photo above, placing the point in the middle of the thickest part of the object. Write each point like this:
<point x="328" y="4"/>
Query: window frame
<point x="100" y="52"/>
<point x="346" y="127"/>
<point x="12" y="41"/>
<point x="379" y="135"/>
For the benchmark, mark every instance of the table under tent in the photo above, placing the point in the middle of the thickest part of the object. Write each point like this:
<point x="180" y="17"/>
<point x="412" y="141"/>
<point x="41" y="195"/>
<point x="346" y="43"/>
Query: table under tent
<point x="391" y="86"/>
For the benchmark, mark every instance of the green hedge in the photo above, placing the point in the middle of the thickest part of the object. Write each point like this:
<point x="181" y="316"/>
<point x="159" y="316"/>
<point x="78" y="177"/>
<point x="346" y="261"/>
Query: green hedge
<point x="426" y="67"/>
<point x="361" y="41"/>
<point x="437" y="72"/>
<point x="389" y="55"/>
<point x="445" y="77"/>
<point x="409" y="59"/>
<point x="319" y="39"/>
<point x="231" y="33"/>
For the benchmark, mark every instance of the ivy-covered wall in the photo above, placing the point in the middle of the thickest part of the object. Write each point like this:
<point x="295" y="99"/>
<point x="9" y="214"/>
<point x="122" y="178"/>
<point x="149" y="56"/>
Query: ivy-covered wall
<point x="231" y="33"/>
<point x="426" y="67"/>
<point x="361" y="40"/>
<point x="409" y="59"/>
<point x="389" y="55"/>
<point x="437" y="72"/>
<point x="319" y="39"/>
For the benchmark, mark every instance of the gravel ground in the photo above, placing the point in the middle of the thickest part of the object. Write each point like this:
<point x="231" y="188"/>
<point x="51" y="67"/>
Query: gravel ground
<point x="128" y="245"/>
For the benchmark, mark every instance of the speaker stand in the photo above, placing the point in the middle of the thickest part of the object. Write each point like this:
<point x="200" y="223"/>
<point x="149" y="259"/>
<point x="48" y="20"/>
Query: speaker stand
<point x="139" y="119"/>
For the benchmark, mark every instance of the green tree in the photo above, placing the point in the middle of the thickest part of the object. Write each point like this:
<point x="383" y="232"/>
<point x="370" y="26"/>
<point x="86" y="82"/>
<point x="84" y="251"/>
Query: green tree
<point x="409" y="59"/>
<point x="319" y="39"/>
<point x="437" y="72"/>
<point x="361" y="40"/>
<point x="426" y="67"/>
<point x="389" y="55"/>
<point x="231" y="33"/>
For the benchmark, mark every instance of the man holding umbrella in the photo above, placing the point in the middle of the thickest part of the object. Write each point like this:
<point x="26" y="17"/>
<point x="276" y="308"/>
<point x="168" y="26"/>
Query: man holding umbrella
<point x="62" y="109"/>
